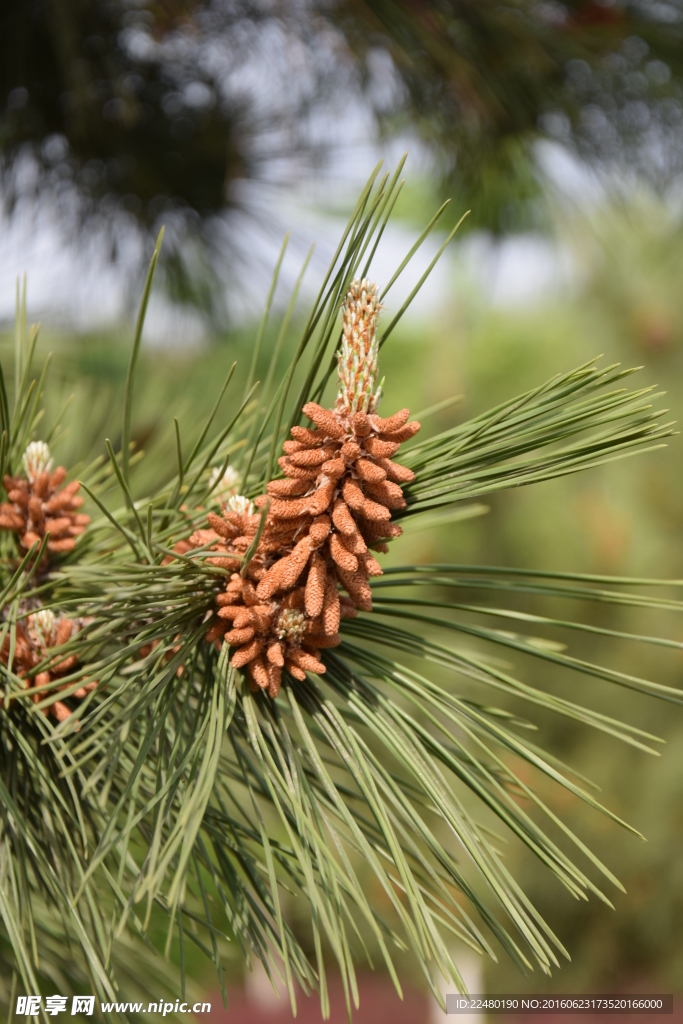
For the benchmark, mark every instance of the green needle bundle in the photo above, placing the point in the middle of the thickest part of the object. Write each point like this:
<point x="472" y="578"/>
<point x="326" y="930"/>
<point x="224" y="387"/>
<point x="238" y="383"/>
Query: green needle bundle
<point x="218" y="706"/>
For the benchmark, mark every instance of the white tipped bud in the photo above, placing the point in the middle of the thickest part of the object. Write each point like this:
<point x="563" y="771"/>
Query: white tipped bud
<point x="357" y="357"/>
<point x="36" y="459"/>
<point x="41" y="627"/>
<point x="238" y="503"/>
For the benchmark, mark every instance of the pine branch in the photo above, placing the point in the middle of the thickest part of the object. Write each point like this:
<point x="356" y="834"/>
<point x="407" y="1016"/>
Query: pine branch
<point x="157" y="785"/>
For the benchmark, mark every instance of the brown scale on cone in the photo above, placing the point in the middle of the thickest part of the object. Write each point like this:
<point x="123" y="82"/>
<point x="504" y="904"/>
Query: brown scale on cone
<point x="38" y="504"/>
<point x="327" y="515"/>
<point x="36" y="636"/>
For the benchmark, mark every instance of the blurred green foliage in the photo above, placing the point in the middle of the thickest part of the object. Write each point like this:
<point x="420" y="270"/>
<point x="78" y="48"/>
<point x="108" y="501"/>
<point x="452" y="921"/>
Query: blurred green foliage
<point x="482" y="81"/>
<point x="132" y="113"/>
<point x="627" y="519"/>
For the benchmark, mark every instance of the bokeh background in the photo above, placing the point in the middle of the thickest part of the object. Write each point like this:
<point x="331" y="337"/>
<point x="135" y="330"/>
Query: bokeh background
<point x="559" y="126"/>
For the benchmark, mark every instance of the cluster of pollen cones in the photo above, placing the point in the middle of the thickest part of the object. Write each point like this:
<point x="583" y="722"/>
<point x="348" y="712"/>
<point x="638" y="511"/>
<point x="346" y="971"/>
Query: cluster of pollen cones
<point x="36" y="636"/>
<point x="38" y="506"/>
<point x="325" y="517"/>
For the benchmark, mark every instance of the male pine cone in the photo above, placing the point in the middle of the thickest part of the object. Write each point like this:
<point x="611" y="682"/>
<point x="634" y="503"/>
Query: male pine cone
<point x="38" y="505"/>
<point x="326" y="515"/>
<point x="37" y="635"/>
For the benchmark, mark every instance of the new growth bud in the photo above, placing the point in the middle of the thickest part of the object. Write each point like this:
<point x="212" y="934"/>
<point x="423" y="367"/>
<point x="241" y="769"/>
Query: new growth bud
<point x="42" y="626"/>
<point x="241" y="505"/>
<point x="357" y="360"/>
<point x="36" y="459"/>
<point x="291" y="624"/>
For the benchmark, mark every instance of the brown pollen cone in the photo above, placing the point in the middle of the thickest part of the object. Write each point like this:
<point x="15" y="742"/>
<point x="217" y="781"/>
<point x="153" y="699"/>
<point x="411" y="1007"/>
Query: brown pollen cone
<point x="267" y="634"/>
<point x="346" y="512"/>
<point x="35" y="637"/>
<point x="320" y="533"/>
<point x="327" y="514"/>
<point x="38" y="506"/>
